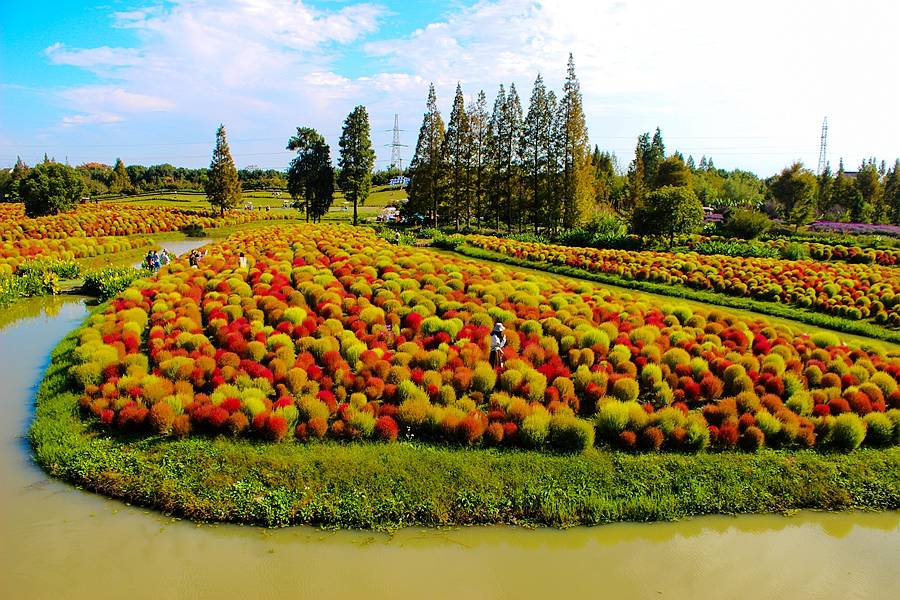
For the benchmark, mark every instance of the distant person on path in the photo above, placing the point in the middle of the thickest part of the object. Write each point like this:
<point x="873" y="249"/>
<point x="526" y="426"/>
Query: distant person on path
<point x="242" y="261"/>
<point x="148" y="260"/>
<point x="498" y="342"/>
<point x="397" y="237"/>
<point x="164" y="258"/>
<point x="194" y="259"/>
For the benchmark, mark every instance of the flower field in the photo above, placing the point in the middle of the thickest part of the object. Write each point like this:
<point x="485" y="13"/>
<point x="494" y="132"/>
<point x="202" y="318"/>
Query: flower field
<point x="115" y="219"/>
<point x="98" y="229"/>
<point x="851" y="291"/>
<point x="333" y="333"/>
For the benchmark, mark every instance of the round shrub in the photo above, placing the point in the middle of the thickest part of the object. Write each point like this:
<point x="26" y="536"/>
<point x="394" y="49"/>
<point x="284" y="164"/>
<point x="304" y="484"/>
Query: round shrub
<point x="626" y="389"/>
<point x="752" y="439"/>
<point x="879" y="429"/>
<point x="848" y="432"/>
<point x="568" y="434"/>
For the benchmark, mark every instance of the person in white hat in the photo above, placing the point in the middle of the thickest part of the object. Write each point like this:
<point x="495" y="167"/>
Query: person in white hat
<point x="498" y="342"/>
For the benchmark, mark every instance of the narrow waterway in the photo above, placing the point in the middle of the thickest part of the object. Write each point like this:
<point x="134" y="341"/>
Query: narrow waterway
<point x="178" y="247"/>
<point x="60" y="542"/>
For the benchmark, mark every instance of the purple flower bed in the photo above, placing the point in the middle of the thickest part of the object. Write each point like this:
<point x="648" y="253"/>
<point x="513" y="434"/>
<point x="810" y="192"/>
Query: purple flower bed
<point x="856" y="228"/>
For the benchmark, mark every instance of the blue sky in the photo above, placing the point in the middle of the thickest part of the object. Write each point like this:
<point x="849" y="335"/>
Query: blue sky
<point x="149" y="81"/>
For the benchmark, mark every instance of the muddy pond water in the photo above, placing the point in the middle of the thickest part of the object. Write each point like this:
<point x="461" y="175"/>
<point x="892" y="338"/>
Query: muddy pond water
<point x="60" y="542"/>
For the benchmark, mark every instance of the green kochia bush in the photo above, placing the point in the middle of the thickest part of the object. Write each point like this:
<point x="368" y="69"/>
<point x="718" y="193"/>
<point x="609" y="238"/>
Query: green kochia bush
<point x="108" y="282"/>
<point x="848" y="432"/>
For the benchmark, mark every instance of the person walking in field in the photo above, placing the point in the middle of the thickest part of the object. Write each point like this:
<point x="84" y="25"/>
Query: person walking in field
<point x="498" y="342"/>
<point x="242" y="261"/>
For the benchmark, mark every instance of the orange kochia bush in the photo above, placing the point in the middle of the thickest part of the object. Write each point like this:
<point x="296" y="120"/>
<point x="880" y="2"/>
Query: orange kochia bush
<point x="332" y="332"/>
<point x="852" y="291"/>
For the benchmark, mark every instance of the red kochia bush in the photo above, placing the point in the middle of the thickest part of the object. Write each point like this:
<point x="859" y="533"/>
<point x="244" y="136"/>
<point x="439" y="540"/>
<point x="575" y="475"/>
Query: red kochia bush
<point x="628" y="440"/>
<point x="386" y="428"/>
<point x="318" y="427"/>
<point x="652" y="438"/>
<point x="276" y="428"/>
<point x="838" y="406"/>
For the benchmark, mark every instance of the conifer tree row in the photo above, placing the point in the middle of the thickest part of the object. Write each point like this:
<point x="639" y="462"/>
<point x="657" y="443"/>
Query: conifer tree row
<point x="531" y="173"/>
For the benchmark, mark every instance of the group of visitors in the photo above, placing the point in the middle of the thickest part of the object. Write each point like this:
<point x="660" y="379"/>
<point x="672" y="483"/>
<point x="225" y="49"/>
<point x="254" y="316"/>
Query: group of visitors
<point x="194" y="258"/>
<point x="154" y="260"/>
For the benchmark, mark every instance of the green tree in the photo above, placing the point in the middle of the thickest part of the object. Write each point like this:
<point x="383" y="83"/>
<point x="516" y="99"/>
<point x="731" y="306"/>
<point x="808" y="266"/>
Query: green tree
<point x="825" y="185"/>
<point x="120" y="183"/>
<point x="795" y="191"/>
<point x="892" y="193"/>
<point x="457" y="152"/>
<point x="577" y="177"/>
<point x="668" y="211"/>
<point x="426" y="169"/>
<point x="742" y="189"/>
<point x="636" y="191"/>
<point x="16" y="175"/>
<point x="672" y="171"/>
<point x="223" y="189"/>
<point x="310" y="174"/>
<point x="868" y="182"/>
<point x="480" y="138"/>
<point x="605" y="184"/>
<point x="654" y="155"/>
<point x="357" y="158"/>
<point x="50" y="188"/>
<point x="843" y="195"/>
<point x="538" y="156"/>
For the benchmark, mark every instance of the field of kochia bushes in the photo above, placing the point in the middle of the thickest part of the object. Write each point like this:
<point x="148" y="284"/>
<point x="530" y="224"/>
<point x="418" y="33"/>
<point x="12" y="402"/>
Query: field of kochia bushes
<point x="96" y="229"/>
<point x="851" y="291"/>
<point x="334" y="333"/>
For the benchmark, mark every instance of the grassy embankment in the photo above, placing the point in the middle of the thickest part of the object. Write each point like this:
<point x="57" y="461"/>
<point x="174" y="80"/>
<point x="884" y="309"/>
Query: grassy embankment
<point x="860" y="328"/>
<point x="385" y="486"/>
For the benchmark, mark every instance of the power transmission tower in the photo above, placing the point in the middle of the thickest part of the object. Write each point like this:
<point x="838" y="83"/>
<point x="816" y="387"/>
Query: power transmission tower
<point x="396" y="161"/>
<point x="822" y="146"/>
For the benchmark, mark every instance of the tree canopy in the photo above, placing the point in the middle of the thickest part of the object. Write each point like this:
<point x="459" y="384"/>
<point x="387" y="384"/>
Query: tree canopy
<point x="50" y="188"/>
<point x="310" y="175"/>
<point x="357" y="158"/>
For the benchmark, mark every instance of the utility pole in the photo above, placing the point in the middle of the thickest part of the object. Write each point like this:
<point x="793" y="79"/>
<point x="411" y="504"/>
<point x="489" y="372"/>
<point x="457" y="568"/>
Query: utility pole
<point x="822" y="147"/>
<point x="396" y="161"/>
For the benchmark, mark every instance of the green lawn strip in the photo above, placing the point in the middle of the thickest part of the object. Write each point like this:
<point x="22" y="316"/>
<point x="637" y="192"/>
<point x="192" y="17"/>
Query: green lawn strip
<point x="386" y="486"/>
<point x="862" y="328"/>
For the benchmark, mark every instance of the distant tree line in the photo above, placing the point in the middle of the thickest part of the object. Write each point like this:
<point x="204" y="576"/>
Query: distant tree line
<point x="102" y="179"/>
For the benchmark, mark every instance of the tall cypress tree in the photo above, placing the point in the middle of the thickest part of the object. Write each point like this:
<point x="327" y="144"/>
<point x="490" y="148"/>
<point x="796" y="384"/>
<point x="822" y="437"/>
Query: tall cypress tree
<point x="577" y="185"/>
<point x="537" y="153"/>
<point x="498" y="132"/>
<point x="426" y="168"/>
<point x="357" y="158"/>
<point x="637" y="189"/>
<point x="457" y="154"/>
<point x="479" y="127"/>
<point x="653" y="157"/>
<point x="513" y="151"/>
<point x="223" y="189"/>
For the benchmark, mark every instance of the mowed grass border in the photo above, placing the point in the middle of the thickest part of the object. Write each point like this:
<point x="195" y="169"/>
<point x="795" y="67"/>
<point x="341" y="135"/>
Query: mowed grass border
<point x="387" y="486"/>
<point x="774" y="309"/>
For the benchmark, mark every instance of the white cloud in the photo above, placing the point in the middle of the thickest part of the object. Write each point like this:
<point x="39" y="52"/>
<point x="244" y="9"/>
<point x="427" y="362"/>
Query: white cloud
<point x="115" y="98"/>
<point x="761" y="74"/>
<point x="748" y="83"/>
<point x="91" y="119"/>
